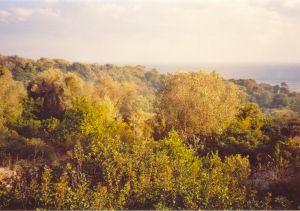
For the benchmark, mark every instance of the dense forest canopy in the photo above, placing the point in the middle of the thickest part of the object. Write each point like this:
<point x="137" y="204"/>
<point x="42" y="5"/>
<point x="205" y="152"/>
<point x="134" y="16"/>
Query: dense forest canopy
<point x="90" y="136"/>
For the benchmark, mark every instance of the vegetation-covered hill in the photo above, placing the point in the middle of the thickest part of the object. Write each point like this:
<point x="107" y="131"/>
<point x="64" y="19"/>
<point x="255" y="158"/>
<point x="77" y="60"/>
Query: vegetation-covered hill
<point x="270" y="97"/>
<point x="89" y="136"/>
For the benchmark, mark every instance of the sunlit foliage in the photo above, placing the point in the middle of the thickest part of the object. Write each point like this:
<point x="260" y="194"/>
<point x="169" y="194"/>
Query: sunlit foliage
<point x="11" y="95"/>
<point x="88" y="136"/>
<point x="198" y="103"/>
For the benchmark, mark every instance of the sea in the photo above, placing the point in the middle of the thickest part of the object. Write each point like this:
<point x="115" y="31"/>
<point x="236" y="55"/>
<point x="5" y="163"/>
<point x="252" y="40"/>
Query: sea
<point x="263" y="73"/>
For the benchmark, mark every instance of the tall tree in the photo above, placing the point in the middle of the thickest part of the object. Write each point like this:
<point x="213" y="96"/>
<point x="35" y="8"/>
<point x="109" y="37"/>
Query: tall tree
<point x="11" y="95"/>
<point x="57" y="90"/>
<point x="198" y="103"/>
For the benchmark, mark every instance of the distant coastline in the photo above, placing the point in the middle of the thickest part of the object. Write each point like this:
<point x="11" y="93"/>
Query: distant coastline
<point x="262" y="73"/>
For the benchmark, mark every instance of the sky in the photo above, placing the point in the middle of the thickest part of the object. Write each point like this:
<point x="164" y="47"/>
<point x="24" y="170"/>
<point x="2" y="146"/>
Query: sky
<point x="156" y="31"/>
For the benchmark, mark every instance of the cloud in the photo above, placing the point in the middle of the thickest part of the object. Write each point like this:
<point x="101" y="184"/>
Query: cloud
<point x="285" y="8"/>
<point x="15" y="14"/>
<point x="154" y="31"/>
<point x="4" y="15"/>
<point x="48" y="12"/>
<point x="19" y="14"/>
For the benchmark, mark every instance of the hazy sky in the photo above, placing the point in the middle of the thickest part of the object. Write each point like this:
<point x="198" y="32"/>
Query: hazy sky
<point x="165" y="31"/>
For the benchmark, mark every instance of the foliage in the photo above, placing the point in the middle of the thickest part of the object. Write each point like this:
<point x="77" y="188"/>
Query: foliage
<point x="246" y="134"/>
<point x="57" y="91"/>
<point x="138" y="175"/>
<point x="198" y="103"/>
<point x="89" y="136"/>
<point x="268" y="96"/>
<point x="11" y="95"/>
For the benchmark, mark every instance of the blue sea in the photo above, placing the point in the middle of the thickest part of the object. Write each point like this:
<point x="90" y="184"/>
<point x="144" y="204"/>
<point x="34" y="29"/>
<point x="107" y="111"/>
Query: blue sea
<point x="262" y="73"/>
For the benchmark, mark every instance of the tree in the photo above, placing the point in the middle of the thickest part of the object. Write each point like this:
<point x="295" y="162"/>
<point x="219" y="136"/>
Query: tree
<point x="11" y="95"/>
<point x="198" y="103"/>
<point x="122" y="95"/>
<point x="246" y="133"/>
<point x="57" y="90"/>
<point x="284" y="88"/>
<point x="280" y="100"/>
<point x="154" y="78"/>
